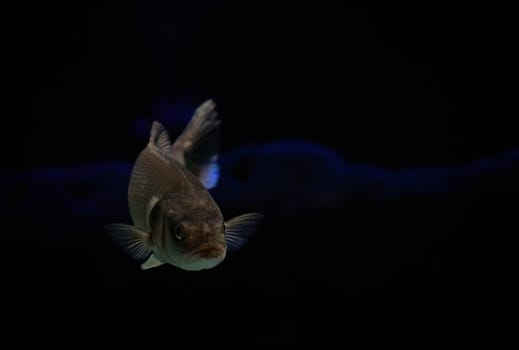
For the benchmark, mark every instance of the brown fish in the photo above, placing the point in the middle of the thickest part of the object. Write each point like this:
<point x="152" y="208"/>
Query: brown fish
<point x="175" y="218"/>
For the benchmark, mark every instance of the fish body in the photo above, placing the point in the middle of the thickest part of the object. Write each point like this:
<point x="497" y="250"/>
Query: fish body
<point x="175" y="218"/>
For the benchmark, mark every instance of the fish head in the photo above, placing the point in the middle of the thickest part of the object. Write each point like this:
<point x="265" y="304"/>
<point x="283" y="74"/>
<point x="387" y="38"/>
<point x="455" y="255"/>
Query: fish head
<point x="194" y="242"/>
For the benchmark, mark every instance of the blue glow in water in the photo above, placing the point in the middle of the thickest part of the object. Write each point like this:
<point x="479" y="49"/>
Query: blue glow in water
<point x="280" y="176"/>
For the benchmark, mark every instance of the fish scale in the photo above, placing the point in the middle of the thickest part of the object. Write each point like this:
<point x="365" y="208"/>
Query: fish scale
<point x="148" y="183"/>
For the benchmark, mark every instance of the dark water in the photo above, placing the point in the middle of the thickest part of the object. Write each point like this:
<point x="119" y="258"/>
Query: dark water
<point x="379" y="143"/>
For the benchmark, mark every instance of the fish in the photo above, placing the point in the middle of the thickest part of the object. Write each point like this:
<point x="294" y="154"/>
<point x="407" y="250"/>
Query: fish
<point x="175" y="219"/>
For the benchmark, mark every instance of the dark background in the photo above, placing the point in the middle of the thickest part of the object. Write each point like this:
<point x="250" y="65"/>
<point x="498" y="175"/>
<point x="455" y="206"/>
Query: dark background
<point x="392" y="87"/>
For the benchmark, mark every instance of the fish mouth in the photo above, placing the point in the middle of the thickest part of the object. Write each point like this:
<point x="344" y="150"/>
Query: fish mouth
<point x="210" y="251"/>
<point x="205" y="257"/>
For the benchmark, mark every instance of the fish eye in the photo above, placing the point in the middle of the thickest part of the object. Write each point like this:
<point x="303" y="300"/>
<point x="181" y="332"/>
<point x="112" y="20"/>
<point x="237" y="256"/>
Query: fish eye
<point x="178" y="233"/>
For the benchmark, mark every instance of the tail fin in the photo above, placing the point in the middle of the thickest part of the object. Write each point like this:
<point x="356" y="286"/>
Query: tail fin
<point x="204" y="120"/>
<point x="197" y="147"/>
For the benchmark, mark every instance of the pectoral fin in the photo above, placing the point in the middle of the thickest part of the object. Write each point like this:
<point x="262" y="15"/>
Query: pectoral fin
<point x="134" y="241"/>
<point x="152" y="262"/>
<point x="240" y="228"/>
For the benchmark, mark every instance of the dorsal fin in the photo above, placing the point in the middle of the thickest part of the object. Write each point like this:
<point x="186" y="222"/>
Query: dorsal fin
<point x="159" y="137"/>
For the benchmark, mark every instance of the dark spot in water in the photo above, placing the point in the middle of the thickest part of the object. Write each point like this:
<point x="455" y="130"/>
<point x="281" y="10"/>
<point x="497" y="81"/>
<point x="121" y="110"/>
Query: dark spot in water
<point x="81" y="191"/>
<point x="16" y="194"/>
<point x="243" y="168"/>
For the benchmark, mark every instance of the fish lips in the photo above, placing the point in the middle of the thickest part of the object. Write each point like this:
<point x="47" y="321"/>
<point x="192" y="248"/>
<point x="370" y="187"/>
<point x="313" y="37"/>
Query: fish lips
<point x="209" y="251"/>
<point x="205" y="257"/>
